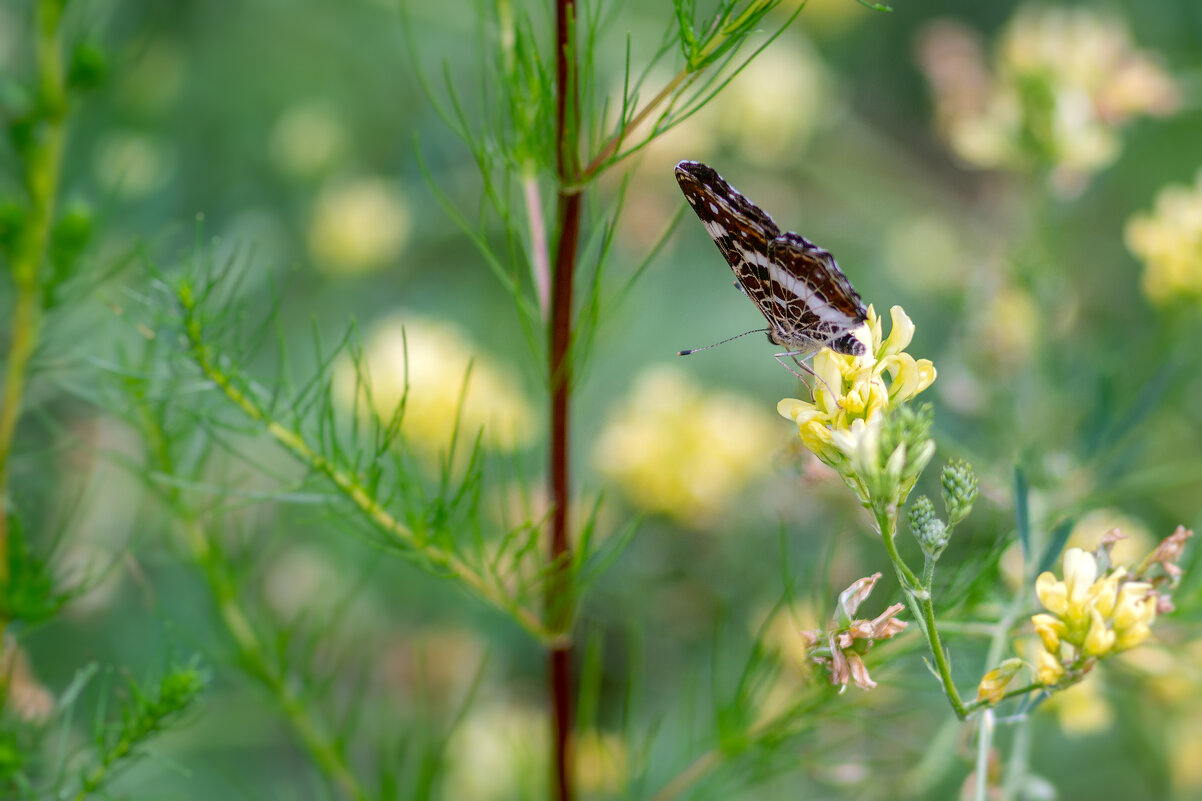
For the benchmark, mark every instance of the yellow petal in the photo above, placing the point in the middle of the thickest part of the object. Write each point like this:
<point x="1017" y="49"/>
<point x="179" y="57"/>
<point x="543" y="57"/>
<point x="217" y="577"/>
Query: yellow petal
<point x="900" y="333"/>
<point x="1050" y="629"/>
<point x="1051" y="593"/>
<point x="1048" y="668"/>
<point x="1100" y="640"/>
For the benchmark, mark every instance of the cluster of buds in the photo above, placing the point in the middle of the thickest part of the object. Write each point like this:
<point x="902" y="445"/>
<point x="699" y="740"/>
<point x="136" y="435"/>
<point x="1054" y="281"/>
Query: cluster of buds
<point x="840" y="650"/>
<point x="959" y="494"/>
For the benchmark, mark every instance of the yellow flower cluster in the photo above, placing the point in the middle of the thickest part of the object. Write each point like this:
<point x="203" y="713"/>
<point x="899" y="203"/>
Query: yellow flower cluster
<point x="842" y="424"/>
<point x="675" y="449"/>
<point x="1169" y="241"/>
<point x="1064" y="80"/>
<point x="1091" y="616"/>
<point x="435" y="356"/>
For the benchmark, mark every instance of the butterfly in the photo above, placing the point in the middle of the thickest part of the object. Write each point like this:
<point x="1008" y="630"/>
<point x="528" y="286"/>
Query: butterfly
<point x="798" y="287"/>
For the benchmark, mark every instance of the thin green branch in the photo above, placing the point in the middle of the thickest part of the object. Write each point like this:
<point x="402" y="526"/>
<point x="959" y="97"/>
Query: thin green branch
<point x="918" y="598"/>
<point x="349" y="486"/>
<point x="43" y="168"/>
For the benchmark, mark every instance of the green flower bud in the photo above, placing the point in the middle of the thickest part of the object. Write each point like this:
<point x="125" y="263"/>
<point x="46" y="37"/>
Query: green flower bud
<point x="929" y="530"/>
<point x="905" y="436"/>
<point x="959" y="490"/>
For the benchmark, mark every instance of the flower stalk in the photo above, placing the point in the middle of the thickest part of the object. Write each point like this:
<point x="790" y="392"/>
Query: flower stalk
<point x="861" y="424"/>
<point x="559" y="595"/>
<point x="43" y="158"/>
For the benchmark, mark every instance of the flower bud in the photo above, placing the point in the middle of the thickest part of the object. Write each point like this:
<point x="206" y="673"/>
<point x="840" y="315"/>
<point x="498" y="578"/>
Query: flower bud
<point x="929" y="530"/>
<point x="959" y="490"/>
<point x="993" y="685"/>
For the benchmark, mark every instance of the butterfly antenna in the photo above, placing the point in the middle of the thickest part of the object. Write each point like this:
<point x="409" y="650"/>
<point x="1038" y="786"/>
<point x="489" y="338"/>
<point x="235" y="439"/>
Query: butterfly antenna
<point x="723" y="342"/>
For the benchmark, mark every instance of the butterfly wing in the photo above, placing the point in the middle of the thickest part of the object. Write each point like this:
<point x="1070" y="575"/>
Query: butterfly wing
<point x="819" y="306"/>
<point x="741" y="230"/>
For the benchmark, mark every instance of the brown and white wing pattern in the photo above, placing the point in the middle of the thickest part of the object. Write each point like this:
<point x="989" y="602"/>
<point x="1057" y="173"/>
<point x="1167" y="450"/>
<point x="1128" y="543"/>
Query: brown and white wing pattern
<point x="796" y="285"/>
<point x="818" y="305"/>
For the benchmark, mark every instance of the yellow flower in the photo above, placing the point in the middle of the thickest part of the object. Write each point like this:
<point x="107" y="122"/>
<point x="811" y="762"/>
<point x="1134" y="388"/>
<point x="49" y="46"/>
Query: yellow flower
<point x="1063" y="81"/>
<point x="852" y="388"/>
<point x="434" y="357"/>
<point x="1050" y="630"/>
<point x="602" y="763"/>
<point x="1094" y="616"/>
<point x="1169" y="242"/>
<point x="1048" y="668"/>
<point x="495" y="753"/>
<point x="358" y="226"/>
<point x="844" y="424"/>
<point x="675" y="449"/>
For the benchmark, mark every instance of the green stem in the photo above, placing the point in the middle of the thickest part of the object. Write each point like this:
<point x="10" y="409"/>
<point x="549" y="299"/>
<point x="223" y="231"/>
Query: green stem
<point x="316" y="741"/>
<point x="680" y="82"/>
<point x="252" y="655"/>
<point x="984" y="742"/>
<point x="43" y="168"/>
<point x="918" y="598"/>
<point x="886" y="525"/>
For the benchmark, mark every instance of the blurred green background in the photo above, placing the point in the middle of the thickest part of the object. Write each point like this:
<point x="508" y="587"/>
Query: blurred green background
<point x="283" y="136"/>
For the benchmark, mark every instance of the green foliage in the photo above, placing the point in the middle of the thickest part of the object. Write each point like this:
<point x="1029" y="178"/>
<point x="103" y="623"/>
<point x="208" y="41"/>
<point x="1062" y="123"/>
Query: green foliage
<point x="148" y="710"/>
<point x="88" y="68"/>
<point x="202" y="440"/>
<point x="30" y="593"/>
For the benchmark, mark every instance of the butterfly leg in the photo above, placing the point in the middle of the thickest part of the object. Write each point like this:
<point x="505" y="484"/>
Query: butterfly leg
<point x="801" y="363"/>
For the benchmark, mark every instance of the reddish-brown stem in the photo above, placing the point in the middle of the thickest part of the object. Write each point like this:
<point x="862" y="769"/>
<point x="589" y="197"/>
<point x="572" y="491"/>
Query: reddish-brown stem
<point x="559" y="588"/>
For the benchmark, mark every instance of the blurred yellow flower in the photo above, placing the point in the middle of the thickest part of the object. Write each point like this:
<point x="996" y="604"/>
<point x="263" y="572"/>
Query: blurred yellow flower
<point x="359" y="226"/>
<point x="1010" y="325"/>
<point x="133" y="165"/>
<point x="772" y="108"/>
<point x="435" y="357"/>
<point x="1091" y="616"/>
<point x="1064" y="80"/>
<point x="825" y="15"/>
<point x="601" y="763"/>
<point x="675" y="449"/>
<point x="1169" y="242"/>
<point x="307" y="139"/>
<point x="1092" y="527"/>
<point x="498" y="752"/>
<point x="844" y="420"/>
